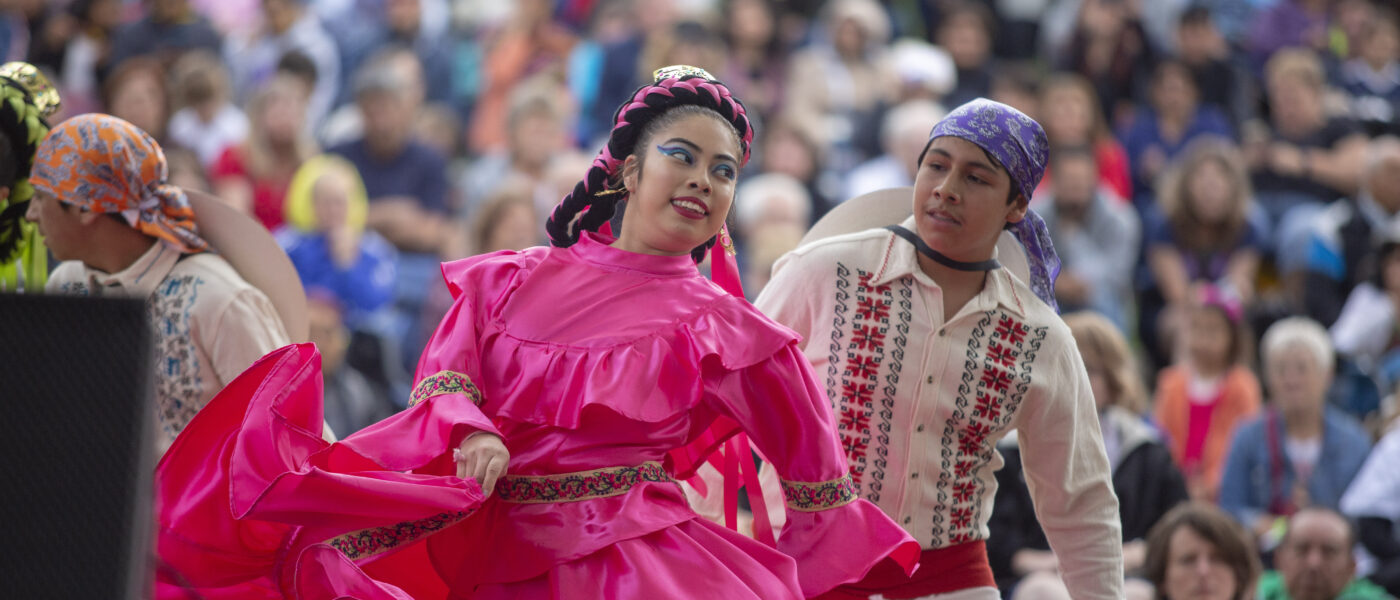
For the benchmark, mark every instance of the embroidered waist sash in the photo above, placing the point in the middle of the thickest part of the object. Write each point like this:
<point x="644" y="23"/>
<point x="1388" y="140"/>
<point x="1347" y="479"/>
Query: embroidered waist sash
<point x="582" y="485"/>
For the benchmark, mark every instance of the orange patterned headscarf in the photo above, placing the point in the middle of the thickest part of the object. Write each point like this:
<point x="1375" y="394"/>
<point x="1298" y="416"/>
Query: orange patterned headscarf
<point x="103" y="164"/>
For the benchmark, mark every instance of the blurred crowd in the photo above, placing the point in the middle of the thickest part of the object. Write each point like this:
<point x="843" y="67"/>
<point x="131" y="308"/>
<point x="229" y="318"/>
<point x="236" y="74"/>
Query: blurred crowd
<point x="1220" y="168"/>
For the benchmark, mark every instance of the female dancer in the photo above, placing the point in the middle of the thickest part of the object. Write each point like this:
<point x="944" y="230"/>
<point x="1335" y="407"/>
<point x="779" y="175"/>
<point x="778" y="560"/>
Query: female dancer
<point x="26" y="99"/>
<point x="573" y="383"/>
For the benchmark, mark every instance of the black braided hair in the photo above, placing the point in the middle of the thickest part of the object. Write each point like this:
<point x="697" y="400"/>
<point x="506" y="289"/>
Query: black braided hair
<point x="22" y="127"/>
<point x="594" y="200"/>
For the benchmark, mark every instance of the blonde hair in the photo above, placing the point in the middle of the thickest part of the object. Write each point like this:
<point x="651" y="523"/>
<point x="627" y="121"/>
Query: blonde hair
<point x="1100" y="342"/>
<point x="300" y="207"/>
<point x="1296" y="62"/>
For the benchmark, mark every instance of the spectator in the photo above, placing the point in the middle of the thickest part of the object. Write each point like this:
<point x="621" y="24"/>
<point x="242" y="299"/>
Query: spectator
<point x="1373" y="500"/>
<point x="207" y="121"/>
<point x="169" y="28"/>
<point x="1315" y="561"/>
<point x="105" y="208"/>
<point x="771" y="199"/>
<point x="690" y="42"/>
<point x="253" y="176"/>
<point x="288" y="25"/>
<point x="1109" y="48"/>
<point x="966" y="32"/>
<point x="89" y="52"/>
<point x="327" y="242"/>
<point x="791" y="149"/>
<point x="1208" y="390"/>
<point x="1161" y="133"/>
<point x="1072" y="117"/>
<point x="1144" y="478"/>
<point x="400" y="23"/>
<point x="537" y="131"/>
<point x="925" y="71"/>
<point x="1204" y="235"/>
<point x="1304" y="158"/>
<point x="1197" y="553"/>
<point x="406" y="180"/>
<point x="530" y="42"/>
<point x="763" y="249"/>
<point x="1372" y="78"/>
<point x="352" y="400"/>
<point x="186" y="172"/>
<point x="1366" y="332"/>
<point x="1203" y="50"/>
<point x="903" y="134"/>
<point x="1096" y="236"/>
<point x="1299" y="453"/>
<point x="756" y="66"/>
<point x="136" y="93"/>
<point x="838" y="84"/>
<point x="1343" y="239"/>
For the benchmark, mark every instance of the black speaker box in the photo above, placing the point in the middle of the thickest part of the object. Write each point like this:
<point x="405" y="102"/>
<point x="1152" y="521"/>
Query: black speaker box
<point x="76" y="455"/>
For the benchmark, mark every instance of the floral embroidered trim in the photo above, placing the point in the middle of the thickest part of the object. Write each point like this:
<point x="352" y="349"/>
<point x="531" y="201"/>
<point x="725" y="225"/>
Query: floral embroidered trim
<point x="377" y="540"/>
<point x="445" y="382"/>
<point x="821" y="495"/>
<point x="583" y="485"/>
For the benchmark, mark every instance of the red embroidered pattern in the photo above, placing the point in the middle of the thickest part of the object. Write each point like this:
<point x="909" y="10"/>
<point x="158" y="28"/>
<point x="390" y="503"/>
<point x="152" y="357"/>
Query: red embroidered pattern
<point x="572" y="487"/>
<point x="445" y="382"/>
<point x="377" y="540"/>
<point x="862" y="359"/>
<point x="822" y="495"/>
<point x="984" y="405"/>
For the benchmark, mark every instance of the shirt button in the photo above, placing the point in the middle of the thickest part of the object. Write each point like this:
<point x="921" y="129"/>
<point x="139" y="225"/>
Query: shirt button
<point x="913" y="475"/>
<point x="919" y="428"/>
<point x="907" y="520"/>
<point x="942" y="332"/>
<point x="930" y="379"/>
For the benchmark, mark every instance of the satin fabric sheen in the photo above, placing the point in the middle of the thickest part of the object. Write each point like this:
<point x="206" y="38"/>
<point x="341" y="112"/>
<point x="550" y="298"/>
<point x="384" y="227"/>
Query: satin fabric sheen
<point x="585" y="357"/>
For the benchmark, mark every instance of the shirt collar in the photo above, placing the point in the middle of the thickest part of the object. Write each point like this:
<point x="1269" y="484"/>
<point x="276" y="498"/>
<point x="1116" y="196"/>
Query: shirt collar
<point x="141" y="278"/>
<point x="900" y="259"/>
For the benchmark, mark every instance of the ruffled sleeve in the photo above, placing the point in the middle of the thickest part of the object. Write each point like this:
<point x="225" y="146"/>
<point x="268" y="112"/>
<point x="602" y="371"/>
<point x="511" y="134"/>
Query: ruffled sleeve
<point x="445" y="405"/>
<point x="835" y="537"/>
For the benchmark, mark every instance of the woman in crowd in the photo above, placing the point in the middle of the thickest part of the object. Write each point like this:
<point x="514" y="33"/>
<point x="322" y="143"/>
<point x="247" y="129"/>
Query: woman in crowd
<point x="1197" y="553"/>
<point x="253" y="176"/>
<point x="1300" y="452"/>
<point x="563" y="391"/>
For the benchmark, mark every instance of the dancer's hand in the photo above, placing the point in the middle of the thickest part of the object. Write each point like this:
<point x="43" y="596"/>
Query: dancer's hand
<point x="482" y="456"/>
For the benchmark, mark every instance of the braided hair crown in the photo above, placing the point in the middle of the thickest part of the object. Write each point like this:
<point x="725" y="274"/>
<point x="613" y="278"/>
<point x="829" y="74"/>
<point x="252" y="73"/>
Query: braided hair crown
<point x="594" y="199"/>
<point x="26" y="99"/>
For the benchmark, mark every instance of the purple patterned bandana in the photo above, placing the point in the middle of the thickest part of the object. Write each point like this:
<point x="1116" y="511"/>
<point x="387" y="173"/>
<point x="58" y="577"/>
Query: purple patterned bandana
<point x="1019" y="144"/>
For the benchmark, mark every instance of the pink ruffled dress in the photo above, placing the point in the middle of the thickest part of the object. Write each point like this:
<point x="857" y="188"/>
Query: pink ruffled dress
<point x="607" y="374"/>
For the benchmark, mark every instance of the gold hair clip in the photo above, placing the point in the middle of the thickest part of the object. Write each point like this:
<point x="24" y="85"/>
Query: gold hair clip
<point x="679" y="71"/>
<point x="41" y="92"/>
<point x="609" y="192"/>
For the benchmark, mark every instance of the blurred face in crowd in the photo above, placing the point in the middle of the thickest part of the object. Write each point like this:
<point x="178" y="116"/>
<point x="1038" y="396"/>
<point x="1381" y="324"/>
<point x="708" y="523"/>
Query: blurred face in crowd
<point x="327" y="331"/>
<point x="403" y="16"/>
<point x="1208" y="333"/>
<point x="1315" y="558"/>
<point x="516" y="228"/>
<point x="750" y="23"/>
<point x="681" y="185"/>
<point x="1069" y="115"/>
<point x="280" y="15"/>
<point x="535" y="139"/>
<point x="105" y="14"/>
<point x="850" y="38"/>
<point x="1383" y="180"/>
<point x="141" y="100"/>
<point x="388" y="118"/>
<point x="1210" y="191"/>
<point x="966" y="40"/>
<point x="1294" y="102"/>
<point x="1174" y="92"/>
<point x="1390" y="269"/>
<point x="330" y="199"/>
<point x="1381" y="45"/>
<point x="169" y="11"/>
<point x="786" y="152"/>
<point x="1198" y="41"/>
<point x="1196" y="570"/>
<point x="283" y="111"/>
<point x="1076" y="180"/>
<point x="960" y="200"/>
<point x="1297" y="383"/>
<point x="1099" y="381"/>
